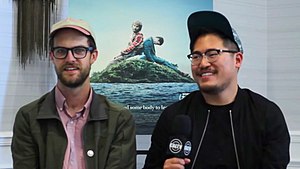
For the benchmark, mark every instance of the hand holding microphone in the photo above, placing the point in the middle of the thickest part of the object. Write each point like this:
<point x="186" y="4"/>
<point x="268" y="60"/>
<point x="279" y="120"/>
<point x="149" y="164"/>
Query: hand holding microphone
<point x="176" y="163"/>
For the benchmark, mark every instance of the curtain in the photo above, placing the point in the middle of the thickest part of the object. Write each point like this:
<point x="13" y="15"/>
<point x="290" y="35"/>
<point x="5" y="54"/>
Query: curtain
<point x="34" y="19"/>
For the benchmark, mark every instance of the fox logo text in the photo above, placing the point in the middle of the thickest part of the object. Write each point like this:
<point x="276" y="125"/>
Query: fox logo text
<point x="175" y="146"/>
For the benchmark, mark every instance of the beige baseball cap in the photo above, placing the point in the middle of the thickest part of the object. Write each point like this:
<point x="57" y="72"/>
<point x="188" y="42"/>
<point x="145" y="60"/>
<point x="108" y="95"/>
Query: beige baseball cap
<point x="77" y="24"/>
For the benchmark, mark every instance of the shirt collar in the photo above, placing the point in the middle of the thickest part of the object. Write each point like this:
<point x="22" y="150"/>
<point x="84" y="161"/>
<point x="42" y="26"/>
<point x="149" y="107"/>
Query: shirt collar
<point x="61" y="100"/>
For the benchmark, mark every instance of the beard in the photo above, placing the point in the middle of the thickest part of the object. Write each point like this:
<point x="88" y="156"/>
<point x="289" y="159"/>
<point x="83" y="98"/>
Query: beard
<point x="73" y="83"/>
<point x="213" y="90"/>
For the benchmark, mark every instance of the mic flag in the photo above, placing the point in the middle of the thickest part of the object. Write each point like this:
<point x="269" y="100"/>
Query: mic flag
<point x="180" y="146"/>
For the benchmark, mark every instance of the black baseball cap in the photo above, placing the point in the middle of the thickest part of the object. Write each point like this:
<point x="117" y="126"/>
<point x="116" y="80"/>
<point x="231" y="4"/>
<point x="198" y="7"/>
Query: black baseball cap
<point x="212" y="20"/>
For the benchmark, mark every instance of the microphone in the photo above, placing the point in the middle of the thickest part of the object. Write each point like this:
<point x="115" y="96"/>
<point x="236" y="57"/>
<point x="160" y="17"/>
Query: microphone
<point x="180" y="146"/>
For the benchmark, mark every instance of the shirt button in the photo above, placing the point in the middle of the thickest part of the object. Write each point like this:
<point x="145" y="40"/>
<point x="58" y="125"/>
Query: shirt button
<point x="90" y="153"/>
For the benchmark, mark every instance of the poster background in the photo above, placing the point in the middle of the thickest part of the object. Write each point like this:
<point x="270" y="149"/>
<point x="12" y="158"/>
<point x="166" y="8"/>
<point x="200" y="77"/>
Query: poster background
<point x="112" y="20"/>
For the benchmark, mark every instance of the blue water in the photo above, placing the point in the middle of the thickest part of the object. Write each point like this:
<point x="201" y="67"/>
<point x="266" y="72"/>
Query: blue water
<point x="145" y="100"/>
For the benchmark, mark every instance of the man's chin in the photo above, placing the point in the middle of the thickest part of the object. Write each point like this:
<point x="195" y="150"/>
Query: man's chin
<point x="209" y="89"/>
<point x="72" y="83"/>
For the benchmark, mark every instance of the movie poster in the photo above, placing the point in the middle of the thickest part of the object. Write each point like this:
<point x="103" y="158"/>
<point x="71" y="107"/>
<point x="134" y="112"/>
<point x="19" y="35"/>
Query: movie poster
<point x="143" y="47"/>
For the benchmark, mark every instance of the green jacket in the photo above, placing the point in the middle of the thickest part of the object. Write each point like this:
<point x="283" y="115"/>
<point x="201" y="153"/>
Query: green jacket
<point x="39" y="139"/>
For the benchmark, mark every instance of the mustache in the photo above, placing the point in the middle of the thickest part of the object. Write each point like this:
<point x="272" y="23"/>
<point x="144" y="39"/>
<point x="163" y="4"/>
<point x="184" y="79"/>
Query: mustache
<point x="200" y="71"/>
<point x="67" y="65"/>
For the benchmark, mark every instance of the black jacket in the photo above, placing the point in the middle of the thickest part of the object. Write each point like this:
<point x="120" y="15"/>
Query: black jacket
<point x="261" y="133"/>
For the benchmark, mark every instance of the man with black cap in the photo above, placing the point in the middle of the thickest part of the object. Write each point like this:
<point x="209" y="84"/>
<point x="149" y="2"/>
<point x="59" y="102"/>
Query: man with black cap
<point x="72" y="127"/>
<point x="232" y="128"/>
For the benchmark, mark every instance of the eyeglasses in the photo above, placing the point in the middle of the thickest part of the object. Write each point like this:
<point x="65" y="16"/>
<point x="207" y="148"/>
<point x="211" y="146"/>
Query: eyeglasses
<point x="79" y="52"/>
<point x="210" y="55"/>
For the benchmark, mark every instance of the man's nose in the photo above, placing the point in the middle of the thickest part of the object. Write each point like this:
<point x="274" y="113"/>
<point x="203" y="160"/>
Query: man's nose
<point x="70" y="56"/>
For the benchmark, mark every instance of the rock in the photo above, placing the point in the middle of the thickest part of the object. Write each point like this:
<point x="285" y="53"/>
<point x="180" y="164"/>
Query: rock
<point x="139" y="71"/>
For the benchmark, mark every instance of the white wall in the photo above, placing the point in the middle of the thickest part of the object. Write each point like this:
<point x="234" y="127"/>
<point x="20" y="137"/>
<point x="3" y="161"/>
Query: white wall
<point x="18" y="86"/>
<point x="283" y="57"/>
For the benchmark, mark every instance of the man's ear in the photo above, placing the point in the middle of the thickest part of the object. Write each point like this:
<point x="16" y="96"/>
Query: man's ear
<point x="51" y="56"/>
<point x="94" y="56"/>
<point x="238" y="60"/>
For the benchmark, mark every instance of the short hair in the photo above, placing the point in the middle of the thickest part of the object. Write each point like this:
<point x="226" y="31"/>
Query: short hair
<point x="160" y="40"/>
<point x="227" y="42"/>
<point x="139" y="24"/>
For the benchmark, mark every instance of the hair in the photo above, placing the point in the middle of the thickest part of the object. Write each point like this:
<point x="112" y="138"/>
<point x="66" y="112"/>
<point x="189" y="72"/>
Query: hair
<point x="227" y="42"/>
<point x="139" y="24"/>
<point x="91" y="41"/>
<point x="160" y="40"/>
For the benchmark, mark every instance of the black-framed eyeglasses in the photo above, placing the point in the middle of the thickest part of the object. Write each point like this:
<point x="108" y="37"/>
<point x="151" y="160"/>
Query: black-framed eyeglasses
<point x="78" y="52"/>
<point x="211" y="55"/>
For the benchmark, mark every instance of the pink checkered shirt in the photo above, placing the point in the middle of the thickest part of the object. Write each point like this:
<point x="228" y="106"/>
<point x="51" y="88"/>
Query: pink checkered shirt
<point x="74" y="155"/>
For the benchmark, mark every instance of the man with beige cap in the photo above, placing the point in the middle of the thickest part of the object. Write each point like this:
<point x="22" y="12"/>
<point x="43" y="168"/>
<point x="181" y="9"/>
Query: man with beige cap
<point x="72" y="127"/>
